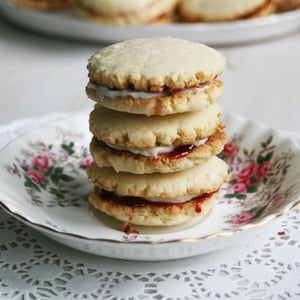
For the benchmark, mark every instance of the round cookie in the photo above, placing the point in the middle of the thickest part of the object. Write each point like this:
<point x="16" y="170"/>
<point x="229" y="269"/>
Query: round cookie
<point x="155" y="64"/>
<point x="149" y="214"/>
<point x="163" y="103"/>
<point x="286" y="5"/>
<point x="45" y="4"/>
<point x="121" y="12"/>
<point x="179" y="159"/>
<point x="209" y="11"/>
<point x="204" y="178"/>
<point x="142" y="132"/>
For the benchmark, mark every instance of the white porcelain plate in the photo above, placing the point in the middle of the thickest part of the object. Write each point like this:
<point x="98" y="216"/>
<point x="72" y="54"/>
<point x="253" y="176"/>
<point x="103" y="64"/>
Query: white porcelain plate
<point x="66" y="24"/>
<point x="43" y="183"/>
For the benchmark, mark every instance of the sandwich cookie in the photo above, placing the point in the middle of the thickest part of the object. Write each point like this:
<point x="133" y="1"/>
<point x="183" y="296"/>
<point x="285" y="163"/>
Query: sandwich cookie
<point x="157" y="103"/>
<point x="159" y="159"/>
<point x="157" y="199"/>
<point x="121" y="12"/>
<point x="223" y="10"/>
<point x="155" y="76"/>
<point x="140" y="144"/>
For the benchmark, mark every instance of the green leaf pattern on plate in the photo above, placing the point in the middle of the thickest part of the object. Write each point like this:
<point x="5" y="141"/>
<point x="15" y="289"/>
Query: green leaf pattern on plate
<point x="256" y="176"/>
<point x="59" y="169"/>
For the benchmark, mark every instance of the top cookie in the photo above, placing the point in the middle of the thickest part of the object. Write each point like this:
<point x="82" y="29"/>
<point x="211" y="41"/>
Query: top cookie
<point x="218" y="10"/>
<point x="155" y="64"/>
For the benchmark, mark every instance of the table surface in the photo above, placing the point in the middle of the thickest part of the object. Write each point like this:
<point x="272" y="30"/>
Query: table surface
<point x="41" y="75"/>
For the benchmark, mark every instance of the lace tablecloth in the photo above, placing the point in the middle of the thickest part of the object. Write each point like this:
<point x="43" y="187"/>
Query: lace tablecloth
<point x="33" y="266"/>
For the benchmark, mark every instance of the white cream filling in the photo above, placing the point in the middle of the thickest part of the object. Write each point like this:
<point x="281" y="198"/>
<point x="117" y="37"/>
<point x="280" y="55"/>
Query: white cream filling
<point x="105" y="91"/>
<point x="153" y="152"/>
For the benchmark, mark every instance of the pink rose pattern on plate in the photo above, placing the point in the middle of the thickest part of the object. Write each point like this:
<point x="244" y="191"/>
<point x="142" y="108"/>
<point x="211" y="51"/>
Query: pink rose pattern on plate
<point x="58" y="169"/>
<point x="255" y="181"/>
<point x="254" y="187"/>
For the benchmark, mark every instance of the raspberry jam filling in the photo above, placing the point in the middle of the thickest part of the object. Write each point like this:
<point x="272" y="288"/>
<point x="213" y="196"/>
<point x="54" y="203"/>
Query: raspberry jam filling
<point x="180" y="152"/>
<point x="155" y="153"/>
<point x="136" y="202"/>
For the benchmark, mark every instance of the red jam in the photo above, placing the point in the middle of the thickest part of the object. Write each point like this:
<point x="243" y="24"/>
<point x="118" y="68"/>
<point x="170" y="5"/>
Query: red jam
<point x="126" y="200"/>
<point x="135" y="202"/>
<point x="127" y="228"/>
<point x="177" y="153"/>
<point x="180" y="152"/>
<point x="198" y="208"/>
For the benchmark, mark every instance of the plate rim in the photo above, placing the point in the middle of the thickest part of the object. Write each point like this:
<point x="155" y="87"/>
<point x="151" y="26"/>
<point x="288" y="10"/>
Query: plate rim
<point x="52" y="231"/>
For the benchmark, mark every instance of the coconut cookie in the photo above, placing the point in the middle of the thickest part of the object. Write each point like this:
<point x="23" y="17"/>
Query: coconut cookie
<point x="159" y="194"/>
<point x="286" y="5"/>
<point x="45" y="4"/>
<point x="160" y="159"/>
<point x="142" y="132"/>
<point x="121" y="12"/>
<point x="223" y="10"/>
<point x="204" y="178"/>
<point x="155" y="64"/>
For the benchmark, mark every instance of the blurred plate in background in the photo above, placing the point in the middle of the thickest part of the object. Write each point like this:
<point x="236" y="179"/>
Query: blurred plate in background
<point x="67" y="25"/>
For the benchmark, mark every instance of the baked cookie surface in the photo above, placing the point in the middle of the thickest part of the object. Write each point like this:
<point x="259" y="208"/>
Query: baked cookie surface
<point x="176" y="160"/>
<point x="45" y="4"/>
<point x="121" y="12"/>
<point x="155" y="64"/>
<point x="220" y="10"/>
<point x="141" y="132"/>
<point x="204" y="178"/>
<point x="286" y="5"/>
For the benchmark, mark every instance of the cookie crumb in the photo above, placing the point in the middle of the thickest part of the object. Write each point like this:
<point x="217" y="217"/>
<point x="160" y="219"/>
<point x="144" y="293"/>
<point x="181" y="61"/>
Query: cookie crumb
<point x="127" y="228"/>
<point x="281" y="233"/>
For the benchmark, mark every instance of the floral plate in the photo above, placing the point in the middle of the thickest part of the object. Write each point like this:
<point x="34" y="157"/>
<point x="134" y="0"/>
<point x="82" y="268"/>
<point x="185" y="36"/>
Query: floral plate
<point x="43" y="183"/>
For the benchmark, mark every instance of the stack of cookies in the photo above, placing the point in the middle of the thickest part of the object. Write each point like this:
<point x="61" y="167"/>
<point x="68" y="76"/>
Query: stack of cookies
<point x="156" y="130"/>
